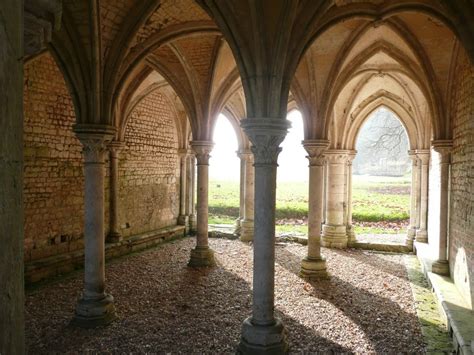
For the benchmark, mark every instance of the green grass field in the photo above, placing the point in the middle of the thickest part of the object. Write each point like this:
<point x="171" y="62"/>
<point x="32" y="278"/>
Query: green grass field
<point x="380" y="204"/>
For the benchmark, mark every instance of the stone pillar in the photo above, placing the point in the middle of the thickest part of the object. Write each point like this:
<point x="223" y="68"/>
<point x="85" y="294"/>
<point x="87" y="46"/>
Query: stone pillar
<point x="411" y="233"/>
<point x="202" y="255"/>
<point x="191" y="184"/>
<point x="334" y="230"/>
<point x="114" y="230"/>
<point x="183" y="218"/>
<point x="11" y="179"/>
<point x="247" y="224"/>
<point x="443" y="148"/>
<point x="263" y="333"/>
<point x="313" y="266"/>
<point x="421" y="233"/>
<point x="96" y="307"/>
<point x="238" y="221"/>
<point x="350" y="228"/>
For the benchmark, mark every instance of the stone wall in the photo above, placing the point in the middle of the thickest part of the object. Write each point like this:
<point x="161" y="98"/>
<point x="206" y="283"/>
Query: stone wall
<point x="53" y="176"/>
<point x="149" y="168"/>
<point x="462" y="185"/>
<point x="53" y="172"/>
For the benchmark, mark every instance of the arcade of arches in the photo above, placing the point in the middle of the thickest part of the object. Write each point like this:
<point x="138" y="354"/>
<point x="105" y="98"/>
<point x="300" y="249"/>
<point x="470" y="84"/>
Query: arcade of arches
<point x="119" y="100"/>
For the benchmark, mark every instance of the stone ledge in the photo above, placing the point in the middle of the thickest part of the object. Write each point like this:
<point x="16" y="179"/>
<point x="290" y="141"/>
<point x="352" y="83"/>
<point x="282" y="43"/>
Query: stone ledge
<point x="457" y="314"/>
<point x="392" y="248"/>
<point x="38" y="270"/>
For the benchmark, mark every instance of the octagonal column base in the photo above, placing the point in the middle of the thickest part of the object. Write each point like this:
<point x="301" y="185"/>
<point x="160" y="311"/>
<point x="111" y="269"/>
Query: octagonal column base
<point x="202" y="257"/>
<point x="440" y="267"/>
<point x="334" y="236"/>
<point x="263" y="339"/>
<point x="422" y="236"/>
<point x="92" y="313"/>
<point x="246" y="231"/>
<point x="314" y="269"/>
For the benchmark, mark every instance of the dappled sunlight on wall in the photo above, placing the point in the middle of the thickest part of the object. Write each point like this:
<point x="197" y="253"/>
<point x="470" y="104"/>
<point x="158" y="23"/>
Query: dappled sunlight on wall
<point x="462" y="275"/>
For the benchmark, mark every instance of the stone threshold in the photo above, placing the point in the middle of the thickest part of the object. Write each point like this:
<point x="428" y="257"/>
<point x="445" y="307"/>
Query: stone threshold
<point x="41" y="269"/>
<point x="453" y="308"/>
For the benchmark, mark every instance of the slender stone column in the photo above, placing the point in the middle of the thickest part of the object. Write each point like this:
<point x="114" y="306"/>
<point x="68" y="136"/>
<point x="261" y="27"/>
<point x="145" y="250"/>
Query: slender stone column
<point x="96" y="307"/>
<point x="183" y="218"/>
<point x="313" y="266"/>
<point x="350" y="228"/>
<point x="238" y="221"/>
<point x="334" y="230"/>
<point x="191" y="184"/>
<point x="421" y="233"/>
<point x="202" y="255"/>
<point x="114" y="231"/>
<point x="443" y="147"/>
<point x="263" y="333"/>
<point x="247" y="224"/>
<point x="413" y="200"/>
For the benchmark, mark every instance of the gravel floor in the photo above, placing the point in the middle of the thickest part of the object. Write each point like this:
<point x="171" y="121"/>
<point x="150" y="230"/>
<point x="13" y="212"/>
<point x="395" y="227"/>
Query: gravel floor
<point x="366" y="307"/>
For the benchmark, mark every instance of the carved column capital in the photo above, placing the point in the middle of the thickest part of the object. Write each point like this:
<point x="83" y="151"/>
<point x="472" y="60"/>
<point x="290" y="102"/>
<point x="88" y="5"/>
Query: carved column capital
<point x="337" y="156"/>
<point x="316" y="149"/>
<point x="202" y="150"/>
<point x="183" y="153"/>
<point x="246" y="155"/>
<point x="115" y="147"/>
<point x="266" y="135"/>
<point x="444" y="148"/>
<point x="95" y="140"/>
<point x="351" y="156"/>
<point x="423" y="155"/>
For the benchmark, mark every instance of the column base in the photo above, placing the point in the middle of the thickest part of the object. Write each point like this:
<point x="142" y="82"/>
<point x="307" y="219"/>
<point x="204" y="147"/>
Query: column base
<point x="192" y="223"/>
<point x="238" y="226"/>
<point x="422" y="236"/>
<point x="202" y="257"/>
<point x="113" y="237"/>
<point x="351" y="236"/>
<point x="183" y="220"/>
<point x="263" y="339"/>
<point x="334" y="236"/>
<point x="246" y="231"/>
<point x="440" y="267"/>
<point x="94" y="313"/>
<point x="314" y="269"/>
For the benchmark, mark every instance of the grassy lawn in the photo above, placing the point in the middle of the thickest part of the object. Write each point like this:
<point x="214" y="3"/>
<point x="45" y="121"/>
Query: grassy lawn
<point x="380" y="204"/>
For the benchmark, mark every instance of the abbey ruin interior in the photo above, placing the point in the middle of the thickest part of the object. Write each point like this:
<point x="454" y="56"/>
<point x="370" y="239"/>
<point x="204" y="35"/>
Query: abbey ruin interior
<point x="107" y="111"/>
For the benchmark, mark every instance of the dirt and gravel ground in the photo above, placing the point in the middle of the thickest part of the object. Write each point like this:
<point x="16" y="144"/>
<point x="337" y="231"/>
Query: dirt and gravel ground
<point x="163" y="306"/>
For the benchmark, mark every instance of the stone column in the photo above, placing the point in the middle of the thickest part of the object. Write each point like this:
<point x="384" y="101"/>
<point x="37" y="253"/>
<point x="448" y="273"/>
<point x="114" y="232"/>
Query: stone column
<point x="350" y="228"/>
<point x="313" y="265"/>
<point x="12" y="339"/>
<point x="334" y="230"/>
<point x="413" y="200"/>
<point x="191" y="184"/>
<point x="96" y="307"/>
<point x="183" y="218"/>
<point x="239" y="219"/>
<point x="202" y="255"/>
<point x="443" y="148"/>
<point x="424" y="157"/>
<point x="247" y="224"/>
<point x="263" y="333"/>
<point x="114" y="230"/>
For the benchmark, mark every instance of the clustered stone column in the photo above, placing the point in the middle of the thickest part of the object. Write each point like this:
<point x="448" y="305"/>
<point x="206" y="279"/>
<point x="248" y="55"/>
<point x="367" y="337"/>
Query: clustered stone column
<point x="411" y="233"/>
<point x="183" y="218"/>
<point x="443" y="148"/>
<point x="191" y="185"/>
<point x="424" y="158"/>
<point x="349" y="227"/>
<point x="334" y="230"/>
<point x="202" y="255"/>
<point x="263" y="332"/>
<point x="114" y="230"/>
<point x="247" y="224"/>
<point x="95" y="307"/>
<point x="313" y="266"/>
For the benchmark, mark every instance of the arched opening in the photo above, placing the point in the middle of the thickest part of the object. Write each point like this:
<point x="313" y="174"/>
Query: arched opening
<point x="224" y="176"/>
<point x="381" y="179"/>
<point x="292" y="180"/>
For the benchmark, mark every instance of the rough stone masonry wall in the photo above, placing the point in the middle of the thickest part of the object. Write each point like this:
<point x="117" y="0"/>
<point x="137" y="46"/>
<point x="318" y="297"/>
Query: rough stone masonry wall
<point x="462" y="183"/>
<point x="53" y="175"/>
<point x="149" y="168"/>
